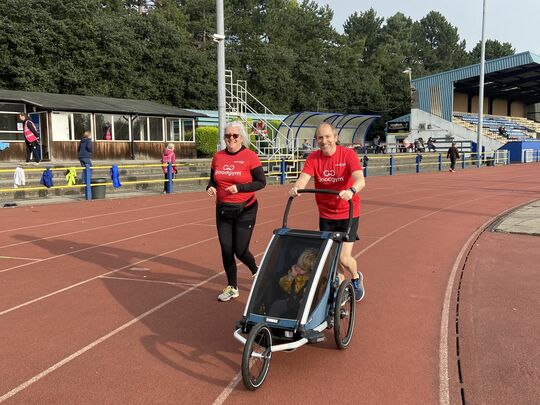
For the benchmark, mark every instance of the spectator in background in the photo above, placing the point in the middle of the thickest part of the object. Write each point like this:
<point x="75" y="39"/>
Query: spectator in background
<point x="168" y="156"/>
<point x="107" y="136"/>
<point x="419" y="144"/>
<point x="407" y="144"/>
<point x="84" y="152"/>
<point x="453" y="154"/>
<point x="430" y="144"/>
<point x="377" y="144"/>
<point x="306" y="145"/>
<point x="502" y="131"/>
<point x="31" y="138"/>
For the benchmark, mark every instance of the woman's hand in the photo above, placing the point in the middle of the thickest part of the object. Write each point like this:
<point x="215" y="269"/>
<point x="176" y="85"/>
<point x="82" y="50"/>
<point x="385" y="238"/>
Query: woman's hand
<point x="232" y="189"/>
<point x="211" y="191"/>
<point x="293" y="192"/>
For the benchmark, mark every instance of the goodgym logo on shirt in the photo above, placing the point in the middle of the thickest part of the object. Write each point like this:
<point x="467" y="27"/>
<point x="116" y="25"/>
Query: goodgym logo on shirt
<point x="228" y="170"/>
<point x="329" y="176"/>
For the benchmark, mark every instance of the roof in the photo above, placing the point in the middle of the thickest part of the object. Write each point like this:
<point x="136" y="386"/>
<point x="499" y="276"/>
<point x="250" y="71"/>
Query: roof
<point x="403" y="118"/>
<point x="514" y="77"/>
<point x="350" y="127"/>
<point x="66" y="102"/>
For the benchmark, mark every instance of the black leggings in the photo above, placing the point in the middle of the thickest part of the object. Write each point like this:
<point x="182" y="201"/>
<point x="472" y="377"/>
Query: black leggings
<point x="32" y="151"/>
<point x="234" y="237"/>
<point x="452" y="164"/>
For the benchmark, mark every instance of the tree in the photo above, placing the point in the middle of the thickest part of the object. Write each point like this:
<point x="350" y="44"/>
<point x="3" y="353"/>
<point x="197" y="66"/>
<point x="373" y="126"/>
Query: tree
<point x="494" y="49"/>
<point x="437" y="45"/>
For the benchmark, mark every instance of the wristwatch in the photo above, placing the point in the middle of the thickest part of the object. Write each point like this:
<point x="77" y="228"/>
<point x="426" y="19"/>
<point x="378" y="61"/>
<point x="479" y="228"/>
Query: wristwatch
<point x="353" y="190"/>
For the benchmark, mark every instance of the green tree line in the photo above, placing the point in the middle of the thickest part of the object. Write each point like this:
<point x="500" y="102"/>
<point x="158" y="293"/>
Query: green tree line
<point x="287" y="50"/>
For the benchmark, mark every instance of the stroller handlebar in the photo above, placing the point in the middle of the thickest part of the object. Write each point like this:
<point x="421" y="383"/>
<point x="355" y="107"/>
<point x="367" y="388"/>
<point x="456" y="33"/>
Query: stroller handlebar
<point x="318" y="191"/>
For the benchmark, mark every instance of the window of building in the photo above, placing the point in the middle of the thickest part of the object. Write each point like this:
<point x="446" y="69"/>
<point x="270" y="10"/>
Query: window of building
<point x="121" y="127"/>
<point x="187" y="130"/>
<point x="140" y="128"/>
<point x="81" y="122"/>
<point x="12" y="107"/>
<point x="156" y="129"/>
<point x="61" y="126"/>
<point x="173" y="130"/>
<point x="103" y="127"/>
<point x="9" y="130"/>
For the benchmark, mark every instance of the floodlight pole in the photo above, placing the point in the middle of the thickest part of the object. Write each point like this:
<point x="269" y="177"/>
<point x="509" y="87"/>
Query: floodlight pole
<point x="219" y="37"/>
<point x="481" y="89"/>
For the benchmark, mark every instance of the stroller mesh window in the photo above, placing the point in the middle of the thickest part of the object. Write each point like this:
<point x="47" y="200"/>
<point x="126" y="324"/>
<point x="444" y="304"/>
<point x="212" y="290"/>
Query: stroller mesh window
<point x="285" y="276"/>
<point x="325" y="277"/>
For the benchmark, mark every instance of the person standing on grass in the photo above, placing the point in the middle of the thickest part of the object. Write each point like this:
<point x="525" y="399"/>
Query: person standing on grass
<point x="236" y="173"/>
<point x="453" y="155"/>
<point x="336" y="168"/>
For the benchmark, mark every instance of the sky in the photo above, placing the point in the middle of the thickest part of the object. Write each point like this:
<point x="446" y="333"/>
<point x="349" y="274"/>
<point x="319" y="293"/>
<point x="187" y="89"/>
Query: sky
<point x="517" y="22"/>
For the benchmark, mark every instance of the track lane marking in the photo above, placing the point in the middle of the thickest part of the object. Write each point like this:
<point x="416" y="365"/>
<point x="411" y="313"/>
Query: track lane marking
<point x="444" y="388"/>
<point x="19" y="258"/>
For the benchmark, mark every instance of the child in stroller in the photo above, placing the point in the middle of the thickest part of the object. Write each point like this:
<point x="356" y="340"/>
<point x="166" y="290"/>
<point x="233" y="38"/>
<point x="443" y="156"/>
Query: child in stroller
<point x="293" y="284"/>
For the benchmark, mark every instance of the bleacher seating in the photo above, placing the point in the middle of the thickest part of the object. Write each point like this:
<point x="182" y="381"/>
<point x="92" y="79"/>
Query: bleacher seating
<point x="517" y="128"/>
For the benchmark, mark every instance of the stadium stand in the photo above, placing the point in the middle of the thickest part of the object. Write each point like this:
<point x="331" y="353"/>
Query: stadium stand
<point x="517" y="128"/>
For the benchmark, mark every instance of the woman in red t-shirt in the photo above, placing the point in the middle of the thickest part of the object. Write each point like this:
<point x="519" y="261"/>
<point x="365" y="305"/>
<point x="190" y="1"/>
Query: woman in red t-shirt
<point x="336" y="168"/>
<point x="235" y="175"/>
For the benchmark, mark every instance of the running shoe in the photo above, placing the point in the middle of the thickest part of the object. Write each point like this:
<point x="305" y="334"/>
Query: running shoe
<point x="358" y="286"/>
<point x="228" y="293"/>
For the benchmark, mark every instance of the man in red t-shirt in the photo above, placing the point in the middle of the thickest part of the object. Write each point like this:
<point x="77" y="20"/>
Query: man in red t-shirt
<point x="336" y="168"/>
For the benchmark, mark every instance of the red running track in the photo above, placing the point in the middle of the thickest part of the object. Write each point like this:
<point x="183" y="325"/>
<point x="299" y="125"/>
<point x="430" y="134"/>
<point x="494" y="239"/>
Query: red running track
<point x="114" y="301"/>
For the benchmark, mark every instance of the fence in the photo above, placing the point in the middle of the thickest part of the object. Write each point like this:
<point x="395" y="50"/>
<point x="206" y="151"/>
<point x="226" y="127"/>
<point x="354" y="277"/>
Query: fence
<point x="277" y="170"/>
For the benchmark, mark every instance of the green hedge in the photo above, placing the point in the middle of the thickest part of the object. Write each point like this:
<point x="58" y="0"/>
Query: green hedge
<point x="206" y="140"/>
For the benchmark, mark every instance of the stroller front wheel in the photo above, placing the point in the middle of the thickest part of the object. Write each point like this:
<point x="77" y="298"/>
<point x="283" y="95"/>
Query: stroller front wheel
<point x="256" y="357"/>
<point x="344" y="315"/>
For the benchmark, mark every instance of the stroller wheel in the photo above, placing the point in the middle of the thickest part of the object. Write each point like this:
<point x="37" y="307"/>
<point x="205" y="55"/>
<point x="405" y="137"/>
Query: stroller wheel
<point x="344" y="315"/>
<point x="256" y="357"/>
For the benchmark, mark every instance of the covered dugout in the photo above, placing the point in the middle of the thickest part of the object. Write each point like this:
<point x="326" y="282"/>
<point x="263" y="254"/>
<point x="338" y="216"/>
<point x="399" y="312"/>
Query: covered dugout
<point x="352" y="128"/>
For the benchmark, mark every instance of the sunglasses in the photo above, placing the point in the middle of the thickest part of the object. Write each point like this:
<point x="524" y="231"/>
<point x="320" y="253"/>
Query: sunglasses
<point x="229" y="136"/>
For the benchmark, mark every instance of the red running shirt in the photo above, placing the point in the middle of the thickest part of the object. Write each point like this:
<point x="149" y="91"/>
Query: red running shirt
<point x="334" y="173"/>
<point x="234" y="169"/>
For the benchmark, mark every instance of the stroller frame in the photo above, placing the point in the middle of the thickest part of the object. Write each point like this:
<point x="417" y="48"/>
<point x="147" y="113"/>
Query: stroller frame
<point x="313" y="316"/>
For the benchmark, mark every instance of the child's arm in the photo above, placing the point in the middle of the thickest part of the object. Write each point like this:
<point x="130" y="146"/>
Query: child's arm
<point x="285" y="282"/>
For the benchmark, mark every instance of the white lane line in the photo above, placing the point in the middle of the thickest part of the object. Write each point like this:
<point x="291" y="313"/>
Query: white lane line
<point x="444" y="390"/>
<point x="234" y="382"/>
<point x="128" y="266"/>
<point x="140" y="280"/>
<point x="237" y="378"/>
<point x="414" y="221"/>
<point x="96" y="228"/>
<point x="112" y="243"/>
<point x="153" y="207"/>
<point x="112" y="225"/>
<point x="101" y="275"/>
<point x="39" y="376"/>
<point x="96" y="342"/>
<point x="228" y="390"/>
<point x="19" y="258"/>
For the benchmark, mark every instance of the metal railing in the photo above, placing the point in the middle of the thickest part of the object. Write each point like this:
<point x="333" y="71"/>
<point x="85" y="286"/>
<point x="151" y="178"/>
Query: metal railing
<point x="240" y="102"/>
<point x="280" y="169"/>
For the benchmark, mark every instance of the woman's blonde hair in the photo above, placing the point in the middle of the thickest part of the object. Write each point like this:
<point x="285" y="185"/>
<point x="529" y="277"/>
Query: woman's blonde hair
<point x="307" y="259"/>
<point x="170" y="146"/>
